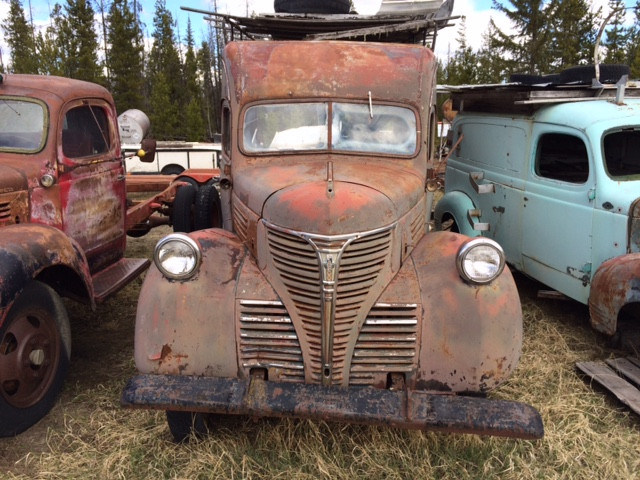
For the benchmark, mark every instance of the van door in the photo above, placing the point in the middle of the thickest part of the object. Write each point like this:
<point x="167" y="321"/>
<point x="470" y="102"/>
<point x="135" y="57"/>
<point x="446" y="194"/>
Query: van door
<point x="91" y="178"/>
<point x="558" y="211"/>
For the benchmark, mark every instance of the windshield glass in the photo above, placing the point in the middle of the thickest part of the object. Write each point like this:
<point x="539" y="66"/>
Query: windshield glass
<point x="21" y="125"/>
<point x="353" y="128"/>
<point x="622" y="153"/>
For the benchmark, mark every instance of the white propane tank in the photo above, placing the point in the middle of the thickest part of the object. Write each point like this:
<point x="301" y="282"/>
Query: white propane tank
<point x="133" y="125"/>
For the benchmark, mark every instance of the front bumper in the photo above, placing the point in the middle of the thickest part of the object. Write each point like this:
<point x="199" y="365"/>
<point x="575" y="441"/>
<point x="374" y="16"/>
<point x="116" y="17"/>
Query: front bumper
<point x="399" y="408"/>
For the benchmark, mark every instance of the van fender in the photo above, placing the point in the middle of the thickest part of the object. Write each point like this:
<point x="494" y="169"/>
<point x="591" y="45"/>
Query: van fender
<point x="27" y="251"/>
<point x="615" y="284"/>
<point x="471" y="335"/>
<point x="187" y="327"/>
<point x="456" y="205"/>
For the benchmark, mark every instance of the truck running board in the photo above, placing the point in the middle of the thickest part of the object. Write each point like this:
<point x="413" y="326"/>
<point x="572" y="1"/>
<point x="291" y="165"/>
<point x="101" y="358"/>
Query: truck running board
<point x="110" y="280"/>
<point x="621" y="376"/>
<point x="399" y="408"/>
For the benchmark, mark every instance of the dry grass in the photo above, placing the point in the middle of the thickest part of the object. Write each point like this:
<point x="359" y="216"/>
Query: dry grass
<point x="88" y="435"/>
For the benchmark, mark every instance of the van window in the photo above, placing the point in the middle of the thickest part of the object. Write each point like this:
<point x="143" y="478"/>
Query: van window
<point x="562" y="157"/>
<point x="622" y="153"/>
<point x="85" y="132"/>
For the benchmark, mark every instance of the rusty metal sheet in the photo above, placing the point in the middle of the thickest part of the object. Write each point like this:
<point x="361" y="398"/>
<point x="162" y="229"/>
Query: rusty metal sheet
<point x="402" y="409"/>
<point x="615" y="284"/>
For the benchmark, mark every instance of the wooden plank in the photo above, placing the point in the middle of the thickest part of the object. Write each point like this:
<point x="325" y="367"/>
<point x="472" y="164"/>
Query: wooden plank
<point x="605" y="376"/>
<point x="634" y="360"/>
<point x="627" y="369"/>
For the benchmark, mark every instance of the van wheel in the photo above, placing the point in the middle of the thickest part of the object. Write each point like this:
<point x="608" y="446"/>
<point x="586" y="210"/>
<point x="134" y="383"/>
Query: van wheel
<point x="182" y="211"/>
<point x="208" y="212"/>
<point x="311" y="6"/>
<point x="35" y="347"/>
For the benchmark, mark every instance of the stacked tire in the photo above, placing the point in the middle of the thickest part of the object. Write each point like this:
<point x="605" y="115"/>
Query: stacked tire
<point x="312" y="6"/>
<point x="196" y="207"/>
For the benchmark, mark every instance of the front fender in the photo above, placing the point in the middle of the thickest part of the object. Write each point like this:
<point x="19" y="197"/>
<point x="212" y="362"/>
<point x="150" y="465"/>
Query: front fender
<point x="471" y="336"/>
<point x="187" y="327"/>
<point x="615" y="284"/>
<point x="26" y="250"/>
<point x="455" y="205"/>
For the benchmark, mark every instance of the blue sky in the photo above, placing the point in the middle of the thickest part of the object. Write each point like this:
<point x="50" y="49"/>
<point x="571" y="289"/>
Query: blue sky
<point x="477" y="12"/>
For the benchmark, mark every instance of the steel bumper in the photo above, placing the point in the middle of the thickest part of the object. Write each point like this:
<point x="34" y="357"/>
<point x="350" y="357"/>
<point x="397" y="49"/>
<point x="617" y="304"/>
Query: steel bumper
<point x="402" y="409"/>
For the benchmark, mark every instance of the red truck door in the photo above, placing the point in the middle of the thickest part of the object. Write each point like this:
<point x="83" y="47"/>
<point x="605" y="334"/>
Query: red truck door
<point x="91" y="177"/>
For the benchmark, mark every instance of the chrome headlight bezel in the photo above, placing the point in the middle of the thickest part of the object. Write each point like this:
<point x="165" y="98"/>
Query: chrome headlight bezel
<point x="475" y="246"/>
<point x="192" y="252"/>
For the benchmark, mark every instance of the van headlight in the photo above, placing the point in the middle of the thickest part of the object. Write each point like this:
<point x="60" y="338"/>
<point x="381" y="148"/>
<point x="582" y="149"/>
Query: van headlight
<point x="177" y="256"/>
<point x="480" y="260"/>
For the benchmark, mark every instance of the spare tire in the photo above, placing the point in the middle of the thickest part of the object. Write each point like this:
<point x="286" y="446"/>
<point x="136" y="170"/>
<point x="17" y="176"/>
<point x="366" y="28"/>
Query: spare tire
<point x="312" y="6"/>
<point x="584" y="74"/>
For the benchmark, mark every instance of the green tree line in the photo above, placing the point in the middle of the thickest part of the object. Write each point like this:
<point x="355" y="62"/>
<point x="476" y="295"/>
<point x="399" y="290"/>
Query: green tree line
<point x="174" y="82"/>
<point x="546" y="36"/>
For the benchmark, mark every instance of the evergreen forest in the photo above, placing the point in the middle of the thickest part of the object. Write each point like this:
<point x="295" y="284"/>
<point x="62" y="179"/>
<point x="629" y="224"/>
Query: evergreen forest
<point x="177" y="83"/>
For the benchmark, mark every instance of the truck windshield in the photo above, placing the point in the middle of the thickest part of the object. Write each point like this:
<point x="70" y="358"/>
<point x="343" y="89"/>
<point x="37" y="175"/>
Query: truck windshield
<point x="21" y="125"/>
<point x="330" y="126"/>
<point x="622" y="153"/>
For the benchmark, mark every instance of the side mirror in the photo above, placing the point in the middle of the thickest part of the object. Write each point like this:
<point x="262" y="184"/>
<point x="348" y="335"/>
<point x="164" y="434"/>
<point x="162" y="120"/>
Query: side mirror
<point x="147" y="152"/>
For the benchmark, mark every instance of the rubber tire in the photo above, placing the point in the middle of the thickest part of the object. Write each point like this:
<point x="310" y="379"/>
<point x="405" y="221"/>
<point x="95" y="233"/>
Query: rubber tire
<point x="312" y="6"/>
<point x="182" y="209"/>
<point x="41" y="304"/>
<point x="584" y="74"/>
<point x="189" y="180"/>
<point x="172" y="170"/>
<point x="208" y="211"/>
<point x="183" y="425"/>
<point x="525" y="78"/>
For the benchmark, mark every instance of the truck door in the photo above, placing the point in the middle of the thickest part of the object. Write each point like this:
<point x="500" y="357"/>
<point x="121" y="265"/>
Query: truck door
<point x="91" y="178"/>
<point x="558" y="212"/>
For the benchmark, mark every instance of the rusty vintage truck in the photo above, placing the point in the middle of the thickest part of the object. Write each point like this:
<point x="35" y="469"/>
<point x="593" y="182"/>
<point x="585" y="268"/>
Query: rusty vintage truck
<point x="64" y="217"/>
<point x="323" y="295"/>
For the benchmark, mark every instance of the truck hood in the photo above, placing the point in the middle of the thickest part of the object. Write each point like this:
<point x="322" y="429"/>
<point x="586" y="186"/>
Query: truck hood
<point x="361" y="197"/>
<point x="12" y="179"/>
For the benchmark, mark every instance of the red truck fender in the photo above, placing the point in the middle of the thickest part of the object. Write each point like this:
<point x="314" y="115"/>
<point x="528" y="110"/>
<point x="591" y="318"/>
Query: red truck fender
<point x="452" y="330"/>
<point x="30" y="251"/>
<point x="208" y="297"/>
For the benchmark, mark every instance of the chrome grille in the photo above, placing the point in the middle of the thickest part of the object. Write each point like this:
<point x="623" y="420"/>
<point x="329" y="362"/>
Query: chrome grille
<point x="268" y="340"/>
<point x="297" y="259"/>
<point x="386" y="343"/>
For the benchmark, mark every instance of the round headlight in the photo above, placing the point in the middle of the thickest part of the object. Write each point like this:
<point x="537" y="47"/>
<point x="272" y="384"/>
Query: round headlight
<point x="480" y="260"/>
<point x="177" y="256"/>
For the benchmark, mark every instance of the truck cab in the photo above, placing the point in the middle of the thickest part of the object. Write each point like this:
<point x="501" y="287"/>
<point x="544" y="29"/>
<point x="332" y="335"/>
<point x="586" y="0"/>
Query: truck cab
<point x="323" y="295"/>
<point x="63" y="224"/>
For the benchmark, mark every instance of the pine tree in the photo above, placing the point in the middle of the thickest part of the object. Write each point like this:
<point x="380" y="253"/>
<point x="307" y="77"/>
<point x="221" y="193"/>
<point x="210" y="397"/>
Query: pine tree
<point x="463" y="67"/>
<point x="125" y="60"/>
<point x="210" y="92"/>
<point x="48" y="46"/>
<point x="527" y="48"/>
<point x="573" y="30"/>
<point x="617" y="36"/>
<point x="20" y="38"/>
<point x="79" y="42"/>
<point x="195" y="129"/>
<point x="633" y="50"/>
<point x="165" y="78"/>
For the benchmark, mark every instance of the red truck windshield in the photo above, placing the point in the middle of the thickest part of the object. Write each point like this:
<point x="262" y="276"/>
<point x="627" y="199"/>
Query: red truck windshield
<point x="21" y="125"/>
<point x="335" y="126"/>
